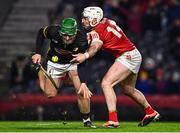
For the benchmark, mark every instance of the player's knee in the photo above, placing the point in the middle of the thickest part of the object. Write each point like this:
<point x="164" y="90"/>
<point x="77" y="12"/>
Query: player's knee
<point x="79" y="96"/>
<point x="128" y="90"/>
<point x="51" y="94"/>
<point x="105" y="84"/>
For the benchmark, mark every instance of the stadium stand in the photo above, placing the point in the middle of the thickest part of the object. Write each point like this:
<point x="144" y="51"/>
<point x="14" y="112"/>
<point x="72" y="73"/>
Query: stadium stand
<point x="17" y="36"/>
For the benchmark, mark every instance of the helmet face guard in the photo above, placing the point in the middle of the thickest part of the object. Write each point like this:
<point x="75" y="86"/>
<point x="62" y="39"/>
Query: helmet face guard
<point x="93" y="13"/>
<point x="68" y="27"/>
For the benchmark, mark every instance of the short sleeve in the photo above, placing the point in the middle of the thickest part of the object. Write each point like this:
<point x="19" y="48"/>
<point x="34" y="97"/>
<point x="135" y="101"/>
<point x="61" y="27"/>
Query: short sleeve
<point x="94" y="36"/>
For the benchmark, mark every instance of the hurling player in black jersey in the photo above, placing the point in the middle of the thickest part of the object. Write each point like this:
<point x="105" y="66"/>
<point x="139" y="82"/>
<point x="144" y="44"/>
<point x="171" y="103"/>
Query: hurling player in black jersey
<point x="65" y="40"/>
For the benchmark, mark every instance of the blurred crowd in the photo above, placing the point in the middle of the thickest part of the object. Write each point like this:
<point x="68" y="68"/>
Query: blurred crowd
<point x="153" y="26"/>
<point x="22" y="77"/>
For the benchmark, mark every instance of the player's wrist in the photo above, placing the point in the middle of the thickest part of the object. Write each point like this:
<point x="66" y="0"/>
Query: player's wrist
<point x="86" y="54"/>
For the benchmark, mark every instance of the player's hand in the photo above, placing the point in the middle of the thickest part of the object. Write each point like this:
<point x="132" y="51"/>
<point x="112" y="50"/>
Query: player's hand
<point x="83" y="90"/>
<point x="36" y="58"/>
<point x="78" y="58"/>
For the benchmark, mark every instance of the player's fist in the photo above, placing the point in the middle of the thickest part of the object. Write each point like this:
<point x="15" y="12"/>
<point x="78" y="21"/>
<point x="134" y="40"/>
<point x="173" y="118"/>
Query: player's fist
<point x="78" y="58"/>
<point x="36" y="58"/>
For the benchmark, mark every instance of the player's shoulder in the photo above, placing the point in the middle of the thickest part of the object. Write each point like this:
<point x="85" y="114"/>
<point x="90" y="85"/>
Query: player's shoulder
<point x="51" y="30"/>
<point x="101" y="26"/>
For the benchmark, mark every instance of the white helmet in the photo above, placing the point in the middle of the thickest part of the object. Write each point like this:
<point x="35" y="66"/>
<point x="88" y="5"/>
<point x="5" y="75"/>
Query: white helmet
<point x="92" y="12"/>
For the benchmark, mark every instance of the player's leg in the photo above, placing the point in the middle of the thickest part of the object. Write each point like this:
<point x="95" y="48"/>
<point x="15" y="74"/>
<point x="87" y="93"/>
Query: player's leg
<point x="47" y="88"/>
<point x="84" y="107"/>
<point x="56" y="71"/>
<point x="42" y="78"/>
<point x="83" y="103"/>
<point x="115" y="74"/>
<point x="46" y="85"/>
<point x="128" y="88"/>
<point x="124" y="65"/>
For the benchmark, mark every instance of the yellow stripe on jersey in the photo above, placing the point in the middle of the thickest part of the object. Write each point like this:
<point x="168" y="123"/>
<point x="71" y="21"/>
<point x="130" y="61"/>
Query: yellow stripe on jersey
<point x="45" y="31"/>
<point x="49" y="48"/>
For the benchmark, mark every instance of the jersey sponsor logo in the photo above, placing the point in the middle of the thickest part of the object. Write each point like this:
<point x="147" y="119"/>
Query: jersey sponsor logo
<point x="94" y="35"/>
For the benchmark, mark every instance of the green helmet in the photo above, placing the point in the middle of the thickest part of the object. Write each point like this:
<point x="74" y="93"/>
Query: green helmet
<point x="68" y="26"/>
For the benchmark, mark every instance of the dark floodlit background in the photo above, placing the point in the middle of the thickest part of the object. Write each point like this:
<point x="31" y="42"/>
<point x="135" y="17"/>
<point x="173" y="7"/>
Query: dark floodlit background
<point x="153" y="26"/>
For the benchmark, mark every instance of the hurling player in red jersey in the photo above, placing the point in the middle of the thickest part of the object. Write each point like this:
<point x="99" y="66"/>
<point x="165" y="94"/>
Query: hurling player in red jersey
<point x="107" y="35"/>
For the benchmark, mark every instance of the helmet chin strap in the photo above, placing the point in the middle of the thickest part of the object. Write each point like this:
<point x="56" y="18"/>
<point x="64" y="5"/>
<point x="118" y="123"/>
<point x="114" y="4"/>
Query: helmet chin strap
<point x="92" y="25"/>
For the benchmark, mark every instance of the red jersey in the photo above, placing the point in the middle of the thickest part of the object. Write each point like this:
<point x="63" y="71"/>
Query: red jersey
<point x="112" y="37"/>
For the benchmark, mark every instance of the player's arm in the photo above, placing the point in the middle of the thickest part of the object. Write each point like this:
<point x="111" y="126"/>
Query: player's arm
<point x="42" y="34"/>
<point x="95" y="45"/>
<point x="91" y="51"/>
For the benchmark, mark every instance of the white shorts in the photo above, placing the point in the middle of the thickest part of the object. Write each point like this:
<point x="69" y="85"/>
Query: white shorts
<point x="59" y="70"/>
<point x="131" y="59"/>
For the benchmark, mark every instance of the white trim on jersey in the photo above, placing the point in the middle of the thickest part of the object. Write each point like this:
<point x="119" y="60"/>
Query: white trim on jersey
<point x="95" y="37"/>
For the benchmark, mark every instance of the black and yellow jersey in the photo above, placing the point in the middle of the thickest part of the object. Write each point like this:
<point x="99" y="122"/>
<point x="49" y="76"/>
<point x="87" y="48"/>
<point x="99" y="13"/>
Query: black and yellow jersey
<point x="57" y="47"/>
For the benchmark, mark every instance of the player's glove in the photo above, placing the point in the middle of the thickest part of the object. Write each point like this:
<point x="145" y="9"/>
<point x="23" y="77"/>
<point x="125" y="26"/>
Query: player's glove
<point x="35" y="66"/>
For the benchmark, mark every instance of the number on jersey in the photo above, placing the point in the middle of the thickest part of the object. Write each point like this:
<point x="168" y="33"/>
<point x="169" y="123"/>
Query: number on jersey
<point x="114" y="29"/>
